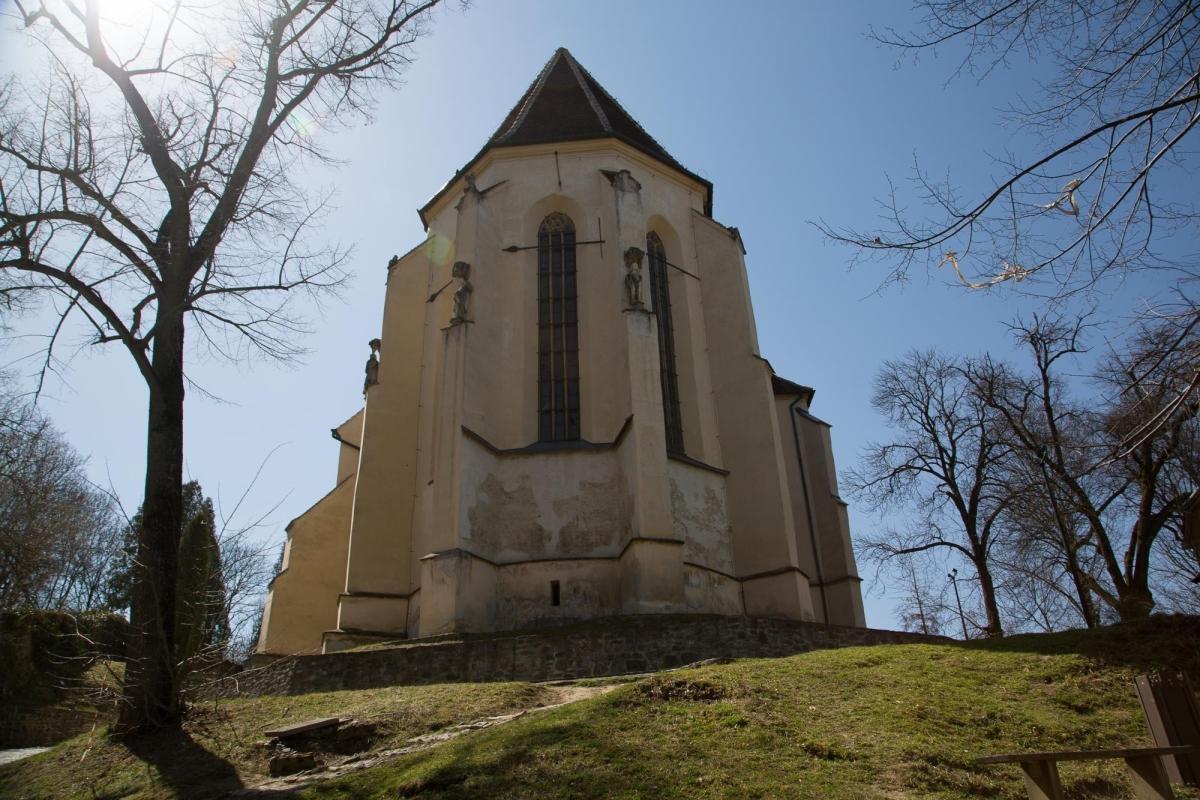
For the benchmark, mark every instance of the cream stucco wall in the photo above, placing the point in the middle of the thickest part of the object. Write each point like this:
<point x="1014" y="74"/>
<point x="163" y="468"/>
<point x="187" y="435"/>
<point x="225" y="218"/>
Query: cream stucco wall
<point x="302" y="601"/>
<point x="760" y="505"/>
<point x="349" y="436"/>
<point x="822" y="524"/>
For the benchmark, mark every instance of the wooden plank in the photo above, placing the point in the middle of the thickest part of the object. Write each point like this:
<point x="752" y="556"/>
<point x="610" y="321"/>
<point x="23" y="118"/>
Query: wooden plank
<point x="1149" y="778"/>
<point x="1083" y="755"/>
<point x="303" y="727"/>
<point x="1173" y="716"/>
<point x="1156" y="722"/>
<point x="1041" y="780"/>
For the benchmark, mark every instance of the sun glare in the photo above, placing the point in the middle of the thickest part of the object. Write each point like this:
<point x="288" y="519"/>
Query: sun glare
<point x="132" y="24"/>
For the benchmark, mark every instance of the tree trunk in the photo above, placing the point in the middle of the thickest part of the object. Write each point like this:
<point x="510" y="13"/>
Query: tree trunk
<point x="1134" y="598"/>
<point x="1134" y="602"/>
<point x="1087" y="605"/>
<point x="151" y="696"/>
<point x="988" y="589"/>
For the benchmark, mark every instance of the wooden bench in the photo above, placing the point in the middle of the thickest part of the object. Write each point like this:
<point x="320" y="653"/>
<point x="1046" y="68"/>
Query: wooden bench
<point x="1144" y="764"/>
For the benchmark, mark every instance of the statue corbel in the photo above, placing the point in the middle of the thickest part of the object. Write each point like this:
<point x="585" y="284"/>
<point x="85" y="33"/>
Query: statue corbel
<point x="372" y="368"/>
<point x="462" y="295"/>
<point x="633" y="279"/>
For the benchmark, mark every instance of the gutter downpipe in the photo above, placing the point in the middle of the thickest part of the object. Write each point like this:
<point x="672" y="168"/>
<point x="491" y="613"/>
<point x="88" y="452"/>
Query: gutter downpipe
<point x="812" y="525"/>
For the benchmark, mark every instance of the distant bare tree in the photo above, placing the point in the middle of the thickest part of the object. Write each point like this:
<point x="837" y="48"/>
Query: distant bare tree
<point x="149" y="185"/>
<point x="923" y="606"/>
<point x="247" y="567"/>
<point x="58" y="532"/>
<point x="945" y="464"/>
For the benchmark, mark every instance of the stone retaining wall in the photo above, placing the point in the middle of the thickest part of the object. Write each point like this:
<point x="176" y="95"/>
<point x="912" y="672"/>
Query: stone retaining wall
<point x="42" y="726"/>
<point x="618" y="646"/>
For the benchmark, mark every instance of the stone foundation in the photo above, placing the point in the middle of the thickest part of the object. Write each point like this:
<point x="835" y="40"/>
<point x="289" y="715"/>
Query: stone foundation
<point x="616" y="646"/>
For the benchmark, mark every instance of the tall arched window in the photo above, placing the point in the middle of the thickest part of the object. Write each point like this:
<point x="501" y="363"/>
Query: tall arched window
<point x="558" y="332"/>
<point x="660" y="296"/>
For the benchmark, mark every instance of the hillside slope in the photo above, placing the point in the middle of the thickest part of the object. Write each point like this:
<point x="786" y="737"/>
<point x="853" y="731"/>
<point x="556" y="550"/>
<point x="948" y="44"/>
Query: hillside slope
<point x="892" y="722"/>
<point x="896" y="721"/>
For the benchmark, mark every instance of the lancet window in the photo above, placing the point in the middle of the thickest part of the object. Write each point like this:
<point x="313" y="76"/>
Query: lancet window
<point x="660" y="298"/>
<point x="558" y="331"/>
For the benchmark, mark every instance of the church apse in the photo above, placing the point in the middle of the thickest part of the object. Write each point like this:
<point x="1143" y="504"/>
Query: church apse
<point x="569" y="417"/>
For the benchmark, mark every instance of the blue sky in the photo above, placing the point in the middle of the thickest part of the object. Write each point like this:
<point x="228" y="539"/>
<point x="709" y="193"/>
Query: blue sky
<point x="787" y="107"/>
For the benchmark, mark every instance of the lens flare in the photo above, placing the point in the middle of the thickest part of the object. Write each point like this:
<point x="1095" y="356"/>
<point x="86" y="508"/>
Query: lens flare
<point x="303" y="123"/>
<point x="439" y="249"/>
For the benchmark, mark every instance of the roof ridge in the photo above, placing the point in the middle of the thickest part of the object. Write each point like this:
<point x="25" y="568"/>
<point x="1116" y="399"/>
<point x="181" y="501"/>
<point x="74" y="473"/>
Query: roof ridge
<point x="576" y="69"/>
<point x="530" y="95"/>
<point x="625" y="111"/>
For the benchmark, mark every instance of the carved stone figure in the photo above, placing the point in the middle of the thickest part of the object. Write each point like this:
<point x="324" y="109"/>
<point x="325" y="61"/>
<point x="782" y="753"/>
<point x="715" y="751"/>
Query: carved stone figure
<point x="462" y="295"/>
<point x="372" y="368"/>
<point x="633" y="277"/>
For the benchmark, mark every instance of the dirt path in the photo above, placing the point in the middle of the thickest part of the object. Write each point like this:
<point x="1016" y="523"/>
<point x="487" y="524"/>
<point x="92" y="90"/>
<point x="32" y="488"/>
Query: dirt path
<point x="17" y="753"/>
<point x="562" y="695"/>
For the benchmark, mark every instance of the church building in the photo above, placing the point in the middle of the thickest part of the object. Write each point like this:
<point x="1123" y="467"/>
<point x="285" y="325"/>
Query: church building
<point x="566" y="415"/>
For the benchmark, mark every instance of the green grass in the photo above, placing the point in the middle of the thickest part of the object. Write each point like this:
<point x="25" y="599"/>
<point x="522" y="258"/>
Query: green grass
<point x="218" y="750"/>
<point x="901" y="721"/>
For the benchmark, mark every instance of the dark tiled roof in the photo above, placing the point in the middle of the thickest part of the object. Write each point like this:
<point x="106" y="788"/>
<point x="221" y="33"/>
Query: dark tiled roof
<point x="565" y="103"/>
<point x="785" y="387"/>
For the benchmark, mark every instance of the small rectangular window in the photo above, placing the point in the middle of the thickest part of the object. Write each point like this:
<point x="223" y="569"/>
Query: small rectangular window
<point x="555" y="596"/>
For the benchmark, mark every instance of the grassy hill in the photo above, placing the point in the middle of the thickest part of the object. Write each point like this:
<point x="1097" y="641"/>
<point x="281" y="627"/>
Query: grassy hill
<point x="898" y="721"/>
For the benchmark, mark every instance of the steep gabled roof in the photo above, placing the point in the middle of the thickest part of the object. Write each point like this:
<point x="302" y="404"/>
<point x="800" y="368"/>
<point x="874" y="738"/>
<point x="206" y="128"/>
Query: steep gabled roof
<point x="565" y="103"/>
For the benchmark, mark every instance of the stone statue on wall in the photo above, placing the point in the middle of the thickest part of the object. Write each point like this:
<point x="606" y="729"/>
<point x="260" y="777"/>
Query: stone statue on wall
<point x="633" y="277"/>
<point x="372" y="368"/>
<point x="462" y="295"/>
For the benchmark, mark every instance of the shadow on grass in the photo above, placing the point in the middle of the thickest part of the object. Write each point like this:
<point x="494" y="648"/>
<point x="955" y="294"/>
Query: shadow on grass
<point x="1161" y="641"/>
<point x="509" y="763"/>
<point x="183" y="765"/>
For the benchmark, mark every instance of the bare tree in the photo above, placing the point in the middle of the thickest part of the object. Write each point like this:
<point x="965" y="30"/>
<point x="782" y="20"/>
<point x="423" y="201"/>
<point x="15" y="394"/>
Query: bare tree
<point x="1114" y="119"/>
<point x="1084" y="454"/>
<point x="148" y="188"/>
<point x="1118" y="101"/>
<point x="1047" y="550"/>
<point x="945" y="464"/>
<point x="1152" y="429"/>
